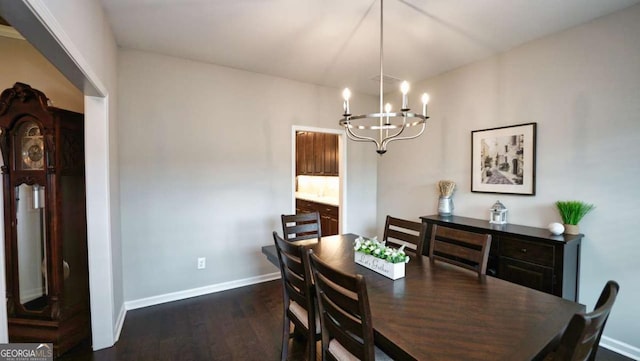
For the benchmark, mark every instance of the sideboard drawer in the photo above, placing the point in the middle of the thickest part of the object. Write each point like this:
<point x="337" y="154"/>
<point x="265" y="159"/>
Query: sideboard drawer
<point x="527" y="274"/>
<point x="538" y="253"/>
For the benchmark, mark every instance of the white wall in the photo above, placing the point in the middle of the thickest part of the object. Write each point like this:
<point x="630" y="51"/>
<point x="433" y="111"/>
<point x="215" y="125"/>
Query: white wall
<point x="205" y="157"/>
<point x="582" y="87"/>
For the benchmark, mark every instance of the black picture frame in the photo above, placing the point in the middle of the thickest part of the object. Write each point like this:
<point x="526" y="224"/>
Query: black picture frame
<point x="503" y="160"/>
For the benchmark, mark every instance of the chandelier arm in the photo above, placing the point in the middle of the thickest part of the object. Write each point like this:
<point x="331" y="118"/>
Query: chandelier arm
<point x="386" y="141"/>
<point x="359" y="138"/>
<point x="388" y="138"/>
<point x="401" y="129"/>
<point x="344" y="121"/>
<point x="347" y="123"/>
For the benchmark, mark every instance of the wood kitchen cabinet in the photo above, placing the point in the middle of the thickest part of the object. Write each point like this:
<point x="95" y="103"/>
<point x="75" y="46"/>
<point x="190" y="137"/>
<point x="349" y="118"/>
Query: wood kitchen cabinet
<point x="328" y="215"/>
<point x="316" y="154"/>
<point x="331" y="159"/>
<point x="528" y="256"/>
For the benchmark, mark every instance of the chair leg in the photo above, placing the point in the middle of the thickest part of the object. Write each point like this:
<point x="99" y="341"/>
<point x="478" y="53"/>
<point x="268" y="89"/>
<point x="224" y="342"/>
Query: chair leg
<point x="311" y="346"/>
<point x="286" y="329"/>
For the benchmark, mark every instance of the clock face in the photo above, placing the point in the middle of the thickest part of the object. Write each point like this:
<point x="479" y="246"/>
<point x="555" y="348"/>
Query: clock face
<point x="32" y="147"/>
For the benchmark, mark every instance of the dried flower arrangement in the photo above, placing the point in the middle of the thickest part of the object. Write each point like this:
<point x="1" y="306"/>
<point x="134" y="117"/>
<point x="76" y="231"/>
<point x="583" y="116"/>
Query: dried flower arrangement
<point x="446" y="188"/>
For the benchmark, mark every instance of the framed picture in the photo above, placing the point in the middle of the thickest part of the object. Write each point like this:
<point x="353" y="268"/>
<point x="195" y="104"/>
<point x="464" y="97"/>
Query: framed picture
<point x="503" y="160"/>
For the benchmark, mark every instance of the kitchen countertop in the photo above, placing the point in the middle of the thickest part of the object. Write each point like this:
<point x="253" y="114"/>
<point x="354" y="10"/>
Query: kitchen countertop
<point x="332" y="201"/>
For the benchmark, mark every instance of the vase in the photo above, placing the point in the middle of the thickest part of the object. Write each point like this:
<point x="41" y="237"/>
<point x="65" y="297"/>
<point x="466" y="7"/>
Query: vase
<point x="571" y="229"/>
<point x="445" y="206"/>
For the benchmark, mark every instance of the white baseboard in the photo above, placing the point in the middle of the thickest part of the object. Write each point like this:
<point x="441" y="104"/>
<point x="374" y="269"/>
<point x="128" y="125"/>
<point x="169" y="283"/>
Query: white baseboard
<point x="194" y="292"/>
<point x="120" y="322"/>
<point x="620" y="347"/>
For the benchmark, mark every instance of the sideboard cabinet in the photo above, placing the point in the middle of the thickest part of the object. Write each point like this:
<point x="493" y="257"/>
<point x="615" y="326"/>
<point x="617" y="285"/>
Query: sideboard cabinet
<point x="528" y="256"/>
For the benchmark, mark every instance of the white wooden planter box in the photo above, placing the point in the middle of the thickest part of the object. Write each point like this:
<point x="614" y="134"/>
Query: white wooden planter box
<point x="387" y="269"/>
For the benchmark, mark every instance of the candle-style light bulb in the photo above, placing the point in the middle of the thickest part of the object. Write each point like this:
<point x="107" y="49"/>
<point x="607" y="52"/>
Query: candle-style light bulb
<point x="425" y="101"/>
<point x="404" y="88"/>
<point x="346" y="95"/>
<point x="387" y="109"/>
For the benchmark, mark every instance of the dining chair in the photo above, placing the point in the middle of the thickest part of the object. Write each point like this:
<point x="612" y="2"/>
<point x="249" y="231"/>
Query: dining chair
<point x="581" y="338"/>
<point x="465" y="249"/>
<point x="345" y="317"/>
<point x="298" y="293"/>
<point x="301" y="226"/>
<point x="399" y="232"/>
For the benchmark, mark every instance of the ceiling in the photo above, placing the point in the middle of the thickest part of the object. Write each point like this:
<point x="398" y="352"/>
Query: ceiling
<point x="336" y="42"/>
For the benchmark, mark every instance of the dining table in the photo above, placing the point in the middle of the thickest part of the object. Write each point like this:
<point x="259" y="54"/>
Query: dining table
<point x="440" y="311"/>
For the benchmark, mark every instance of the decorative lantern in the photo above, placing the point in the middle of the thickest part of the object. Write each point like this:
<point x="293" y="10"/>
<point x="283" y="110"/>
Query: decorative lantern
<point x="498" y="213"/>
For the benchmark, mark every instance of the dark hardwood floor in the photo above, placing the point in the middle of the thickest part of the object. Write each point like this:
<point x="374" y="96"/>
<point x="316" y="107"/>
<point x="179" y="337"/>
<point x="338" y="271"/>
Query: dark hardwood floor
<point x="240" y="324"/>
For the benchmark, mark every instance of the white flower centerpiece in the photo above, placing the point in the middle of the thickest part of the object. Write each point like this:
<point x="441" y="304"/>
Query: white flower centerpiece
<point x="376" y="256"/>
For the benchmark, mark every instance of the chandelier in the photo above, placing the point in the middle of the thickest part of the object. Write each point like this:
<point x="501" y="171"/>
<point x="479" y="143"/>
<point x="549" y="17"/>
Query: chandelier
<point x="388" y="125"/>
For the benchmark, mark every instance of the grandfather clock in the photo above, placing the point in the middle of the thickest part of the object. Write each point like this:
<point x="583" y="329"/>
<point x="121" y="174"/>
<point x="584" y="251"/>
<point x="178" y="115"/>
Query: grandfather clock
<point x="45" y="232"/>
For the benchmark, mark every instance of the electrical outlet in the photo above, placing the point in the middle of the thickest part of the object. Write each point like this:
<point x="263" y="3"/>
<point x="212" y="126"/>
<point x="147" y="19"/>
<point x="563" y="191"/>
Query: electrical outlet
<point x="202" y="263"/>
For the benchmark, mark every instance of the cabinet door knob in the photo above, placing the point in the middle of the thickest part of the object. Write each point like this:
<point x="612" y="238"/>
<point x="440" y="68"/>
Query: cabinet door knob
<point x="524" y="250"/>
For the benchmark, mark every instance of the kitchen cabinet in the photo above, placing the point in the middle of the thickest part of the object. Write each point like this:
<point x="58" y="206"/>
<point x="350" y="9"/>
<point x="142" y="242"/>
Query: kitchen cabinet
<point x="528" y="256"/>
<point x="329" y="215"/>
<point x="317" y="154"/>
<point x="331" y="159"/>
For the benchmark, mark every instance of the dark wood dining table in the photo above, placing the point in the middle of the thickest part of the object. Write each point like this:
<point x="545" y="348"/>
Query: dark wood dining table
<point x="442" y="312"/>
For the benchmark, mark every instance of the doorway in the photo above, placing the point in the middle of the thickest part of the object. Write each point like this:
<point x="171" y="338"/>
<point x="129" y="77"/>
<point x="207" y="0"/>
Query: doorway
<point x="319" y="176"/>
<point x="38" y="24"/>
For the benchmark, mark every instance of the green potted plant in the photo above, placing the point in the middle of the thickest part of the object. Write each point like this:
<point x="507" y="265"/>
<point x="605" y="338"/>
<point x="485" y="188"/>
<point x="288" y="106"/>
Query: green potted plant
<point x="571" y="213"/>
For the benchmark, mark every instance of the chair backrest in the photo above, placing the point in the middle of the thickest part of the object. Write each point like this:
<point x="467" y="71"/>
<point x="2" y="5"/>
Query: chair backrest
<point x="581" y="338"/>
<point x="465" y="249"/>
<point x="297" y="283"/>
<point x="399" y="232"/>
<point x="298" y="227"/>
<point x="344" y="312"/>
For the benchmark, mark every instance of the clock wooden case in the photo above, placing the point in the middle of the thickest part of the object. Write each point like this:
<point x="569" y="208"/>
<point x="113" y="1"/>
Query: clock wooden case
<point x="45" y="230"/>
